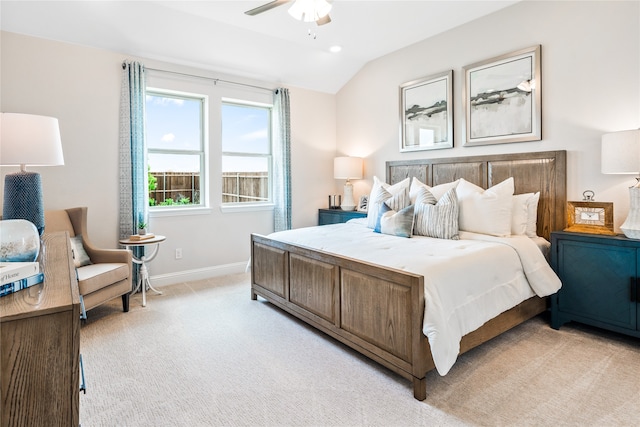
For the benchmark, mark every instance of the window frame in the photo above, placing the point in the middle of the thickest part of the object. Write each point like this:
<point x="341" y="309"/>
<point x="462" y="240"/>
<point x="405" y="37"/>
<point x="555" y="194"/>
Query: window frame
<point x="203" y="153"/>
<point x="245" y="206"/>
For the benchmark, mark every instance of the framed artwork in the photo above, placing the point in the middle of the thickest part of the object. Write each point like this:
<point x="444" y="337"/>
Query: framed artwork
<point x="426" y="113"/>
<point x="502" y="99"/>
<point x="363" y="203"/>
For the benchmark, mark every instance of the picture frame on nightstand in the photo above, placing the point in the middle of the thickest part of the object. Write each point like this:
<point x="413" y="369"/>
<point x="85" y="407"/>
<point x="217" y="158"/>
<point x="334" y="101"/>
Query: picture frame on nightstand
<point x="590" y="217"/>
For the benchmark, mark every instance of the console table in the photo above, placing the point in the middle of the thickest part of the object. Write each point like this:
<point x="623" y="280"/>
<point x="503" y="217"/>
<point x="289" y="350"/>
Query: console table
<point x="40" y="345"/>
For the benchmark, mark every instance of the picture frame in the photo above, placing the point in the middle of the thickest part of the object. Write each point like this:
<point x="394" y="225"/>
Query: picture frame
<point x="426" y="113"/>
<point x="363" y="203"/>
<point x="590" y="217"/>
<point x="502" y="98"/>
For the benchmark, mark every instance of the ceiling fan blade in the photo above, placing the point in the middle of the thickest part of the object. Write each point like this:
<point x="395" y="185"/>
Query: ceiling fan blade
<point x="324" y="20"/>
<point x="265" y="7"/>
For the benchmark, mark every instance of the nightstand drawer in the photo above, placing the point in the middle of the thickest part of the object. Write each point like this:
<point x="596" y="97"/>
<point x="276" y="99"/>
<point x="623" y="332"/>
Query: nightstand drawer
<point x="336" y="216"/>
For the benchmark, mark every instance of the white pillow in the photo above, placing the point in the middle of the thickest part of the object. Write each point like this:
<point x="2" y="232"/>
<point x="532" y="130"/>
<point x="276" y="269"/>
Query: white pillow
<point x="524" y="214"/>
<point x="519" y="214"/>
<point x="486" y="211"/>
<point x="532" y="215"/>
<point x="438" y="191"/>
<point x="380" y="193"/>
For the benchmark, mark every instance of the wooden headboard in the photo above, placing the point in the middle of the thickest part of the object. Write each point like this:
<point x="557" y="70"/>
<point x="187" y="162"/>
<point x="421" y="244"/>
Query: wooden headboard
<point x="544" y="171"/>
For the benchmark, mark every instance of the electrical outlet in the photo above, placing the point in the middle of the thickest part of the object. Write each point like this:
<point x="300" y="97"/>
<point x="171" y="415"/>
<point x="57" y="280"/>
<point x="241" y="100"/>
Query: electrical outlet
<point x="179" y="253"/>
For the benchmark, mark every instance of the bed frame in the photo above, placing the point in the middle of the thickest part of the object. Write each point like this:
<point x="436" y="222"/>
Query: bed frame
<point x="377" y="310"/>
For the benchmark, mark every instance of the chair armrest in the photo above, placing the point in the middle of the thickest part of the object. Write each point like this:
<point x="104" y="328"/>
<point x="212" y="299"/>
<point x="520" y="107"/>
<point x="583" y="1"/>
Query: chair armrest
<point x="99" y="256"/>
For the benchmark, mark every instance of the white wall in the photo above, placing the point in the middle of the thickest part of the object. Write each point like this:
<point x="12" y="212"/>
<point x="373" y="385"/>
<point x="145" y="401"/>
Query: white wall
<point x="81" y="87"/>
<point x="591" y="86"/>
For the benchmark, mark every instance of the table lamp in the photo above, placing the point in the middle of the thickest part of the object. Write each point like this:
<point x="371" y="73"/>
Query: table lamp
<point x="347" y="168"/>
<point x="621" y="155"/>
<point x="27" y="139"/>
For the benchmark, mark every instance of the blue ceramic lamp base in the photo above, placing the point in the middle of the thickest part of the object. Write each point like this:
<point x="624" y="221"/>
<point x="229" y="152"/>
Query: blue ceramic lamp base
<point x="23" y="198"/>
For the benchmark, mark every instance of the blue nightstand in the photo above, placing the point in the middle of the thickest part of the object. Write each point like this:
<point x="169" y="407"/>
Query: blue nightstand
<point x="336" y="216"/>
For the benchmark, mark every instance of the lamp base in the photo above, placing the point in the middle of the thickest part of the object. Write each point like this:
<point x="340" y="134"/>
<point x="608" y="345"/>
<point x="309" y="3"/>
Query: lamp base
<point x="631" y="226"/>
<point x="23" y="198"/>
<point x="348" y="204"/>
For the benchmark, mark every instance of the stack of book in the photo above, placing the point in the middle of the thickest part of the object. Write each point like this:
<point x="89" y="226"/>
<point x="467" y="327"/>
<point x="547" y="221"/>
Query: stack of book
<point x="142" y="236"/>
<point x="15" y="276"/>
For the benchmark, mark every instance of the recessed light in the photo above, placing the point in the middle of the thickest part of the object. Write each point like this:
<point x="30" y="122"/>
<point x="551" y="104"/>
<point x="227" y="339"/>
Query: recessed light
<point x="335" y="49"/>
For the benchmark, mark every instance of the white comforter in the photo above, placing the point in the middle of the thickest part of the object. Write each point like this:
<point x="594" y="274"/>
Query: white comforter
<point x="466" y="282"/>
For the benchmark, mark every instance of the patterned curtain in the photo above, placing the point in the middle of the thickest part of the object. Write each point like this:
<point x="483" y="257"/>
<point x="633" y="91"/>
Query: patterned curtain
<point x="133" y="165"/>
<point x="281" y="160"/>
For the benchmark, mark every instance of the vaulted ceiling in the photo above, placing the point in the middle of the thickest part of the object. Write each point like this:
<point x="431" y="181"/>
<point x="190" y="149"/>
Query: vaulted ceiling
<point x="219" y="36"/>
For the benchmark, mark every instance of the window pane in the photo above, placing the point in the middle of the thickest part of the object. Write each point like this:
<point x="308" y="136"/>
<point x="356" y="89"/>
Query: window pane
<point x="245" y="179"/>
<point x="245" y="129"/>
<point x="173" y="122"/>
<point x="174" y="179"/>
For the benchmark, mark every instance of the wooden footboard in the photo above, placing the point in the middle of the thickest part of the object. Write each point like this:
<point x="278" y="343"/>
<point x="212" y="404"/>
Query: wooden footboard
<point x="375" y="310"/>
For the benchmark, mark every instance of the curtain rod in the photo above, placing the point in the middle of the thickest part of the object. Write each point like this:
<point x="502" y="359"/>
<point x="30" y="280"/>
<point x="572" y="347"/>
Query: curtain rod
<point x="215" y="80"/>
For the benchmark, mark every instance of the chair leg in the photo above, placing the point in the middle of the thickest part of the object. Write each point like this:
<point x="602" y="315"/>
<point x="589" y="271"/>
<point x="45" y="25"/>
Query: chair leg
<point x="125" y="302"/>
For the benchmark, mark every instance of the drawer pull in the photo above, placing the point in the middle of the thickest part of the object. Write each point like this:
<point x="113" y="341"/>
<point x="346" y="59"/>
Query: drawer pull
<point x="633" y="289"/>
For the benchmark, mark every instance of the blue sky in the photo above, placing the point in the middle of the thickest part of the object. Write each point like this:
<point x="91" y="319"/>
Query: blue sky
<point x="174" y="123"/>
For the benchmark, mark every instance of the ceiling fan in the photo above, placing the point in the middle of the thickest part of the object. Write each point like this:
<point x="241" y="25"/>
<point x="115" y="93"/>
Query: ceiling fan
<point x="303" y="10"/>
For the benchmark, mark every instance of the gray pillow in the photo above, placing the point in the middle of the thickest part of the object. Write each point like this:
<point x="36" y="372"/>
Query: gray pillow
<point x="80" y="257"/>
<point x="439" y="219"/>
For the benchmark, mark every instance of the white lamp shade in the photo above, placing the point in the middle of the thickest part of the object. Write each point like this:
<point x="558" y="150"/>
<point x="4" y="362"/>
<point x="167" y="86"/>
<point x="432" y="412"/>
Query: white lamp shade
<point x="347" y="168"/>
<point x="309" y="10"/>
<point x="27" y="139"/>
<point x="621" y="152"/>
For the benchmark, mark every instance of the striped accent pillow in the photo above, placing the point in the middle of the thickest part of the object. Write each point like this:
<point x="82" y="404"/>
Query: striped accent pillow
<point x="436" y="219"/>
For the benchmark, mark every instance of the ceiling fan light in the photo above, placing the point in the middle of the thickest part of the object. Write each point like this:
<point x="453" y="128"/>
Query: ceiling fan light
<point x="309" y="10"/>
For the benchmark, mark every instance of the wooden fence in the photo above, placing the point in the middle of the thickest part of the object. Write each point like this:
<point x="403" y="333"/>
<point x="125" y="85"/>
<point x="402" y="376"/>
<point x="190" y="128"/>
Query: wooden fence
<point x="237" y="187"/>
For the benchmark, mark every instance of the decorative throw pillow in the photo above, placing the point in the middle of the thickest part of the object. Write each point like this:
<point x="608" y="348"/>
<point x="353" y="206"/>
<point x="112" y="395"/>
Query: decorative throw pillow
<point x="436" y="219"/>
<point x="438" y="191"/>
<point x="80" y="256"/>
<point x="486" y="211"/>
<point x="395" y="223"/>
<point x="382" y="192"/>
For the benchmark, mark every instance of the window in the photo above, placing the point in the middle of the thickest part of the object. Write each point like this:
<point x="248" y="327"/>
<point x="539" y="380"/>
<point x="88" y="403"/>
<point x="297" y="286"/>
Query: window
<point x="246" y="153"/>
<point x="175" y="131"/>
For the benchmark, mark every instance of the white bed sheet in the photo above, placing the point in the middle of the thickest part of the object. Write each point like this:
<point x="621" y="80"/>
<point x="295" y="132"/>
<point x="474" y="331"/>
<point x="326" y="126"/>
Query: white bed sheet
<point x="466" y="282"/>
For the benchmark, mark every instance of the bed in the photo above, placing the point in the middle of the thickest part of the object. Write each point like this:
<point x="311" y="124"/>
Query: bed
<point x="379" y="310"/>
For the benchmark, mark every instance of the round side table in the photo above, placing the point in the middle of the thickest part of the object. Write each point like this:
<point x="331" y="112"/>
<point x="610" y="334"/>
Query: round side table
<point x="143" y="277"/>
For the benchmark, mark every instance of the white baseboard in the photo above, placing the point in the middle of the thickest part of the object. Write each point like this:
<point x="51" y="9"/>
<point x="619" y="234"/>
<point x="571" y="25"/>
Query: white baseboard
<point x="197" y="274"/>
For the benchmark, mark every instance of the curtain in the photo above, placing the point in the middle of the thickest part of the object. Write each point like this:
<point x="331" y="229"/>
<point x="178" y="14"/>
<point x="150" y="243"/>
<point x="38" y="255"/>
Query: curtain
<point x="132" y="164"/>
<point x="281" y="160"/>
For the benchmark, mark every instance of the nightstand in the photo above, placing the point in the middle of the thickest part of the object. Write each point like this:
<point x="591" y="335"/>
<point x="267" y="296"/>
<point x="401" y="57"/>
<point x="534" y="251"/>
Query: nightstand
<point x="600" y="281"/>
<point x="335" y="216"/>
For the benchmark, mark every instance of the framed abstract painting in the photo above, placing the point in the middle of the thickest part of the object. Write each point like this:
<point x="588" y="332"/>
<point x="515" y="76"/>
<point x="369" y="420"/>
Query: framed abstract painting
<point x="426" y="113"/>
<point x="502" y="98"/>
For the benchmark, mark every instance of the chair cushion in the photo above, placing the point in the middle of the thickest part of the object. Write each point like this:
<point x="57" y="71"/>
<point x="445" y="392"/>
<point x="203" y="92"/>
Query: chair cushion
<point x="97" y="276"/>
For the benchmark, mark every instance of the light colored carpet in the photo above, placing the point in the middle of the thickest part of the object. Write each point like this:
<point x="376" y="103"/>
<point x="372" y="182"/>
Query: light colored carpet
<point x="204" y="354"/>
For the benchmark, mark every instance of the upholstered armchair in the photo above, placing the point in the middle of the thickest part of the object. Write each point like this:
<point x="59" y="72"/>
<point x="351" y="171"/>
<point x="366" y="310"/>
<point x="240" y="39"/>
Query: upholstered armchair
<point x="103" y="274"/>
